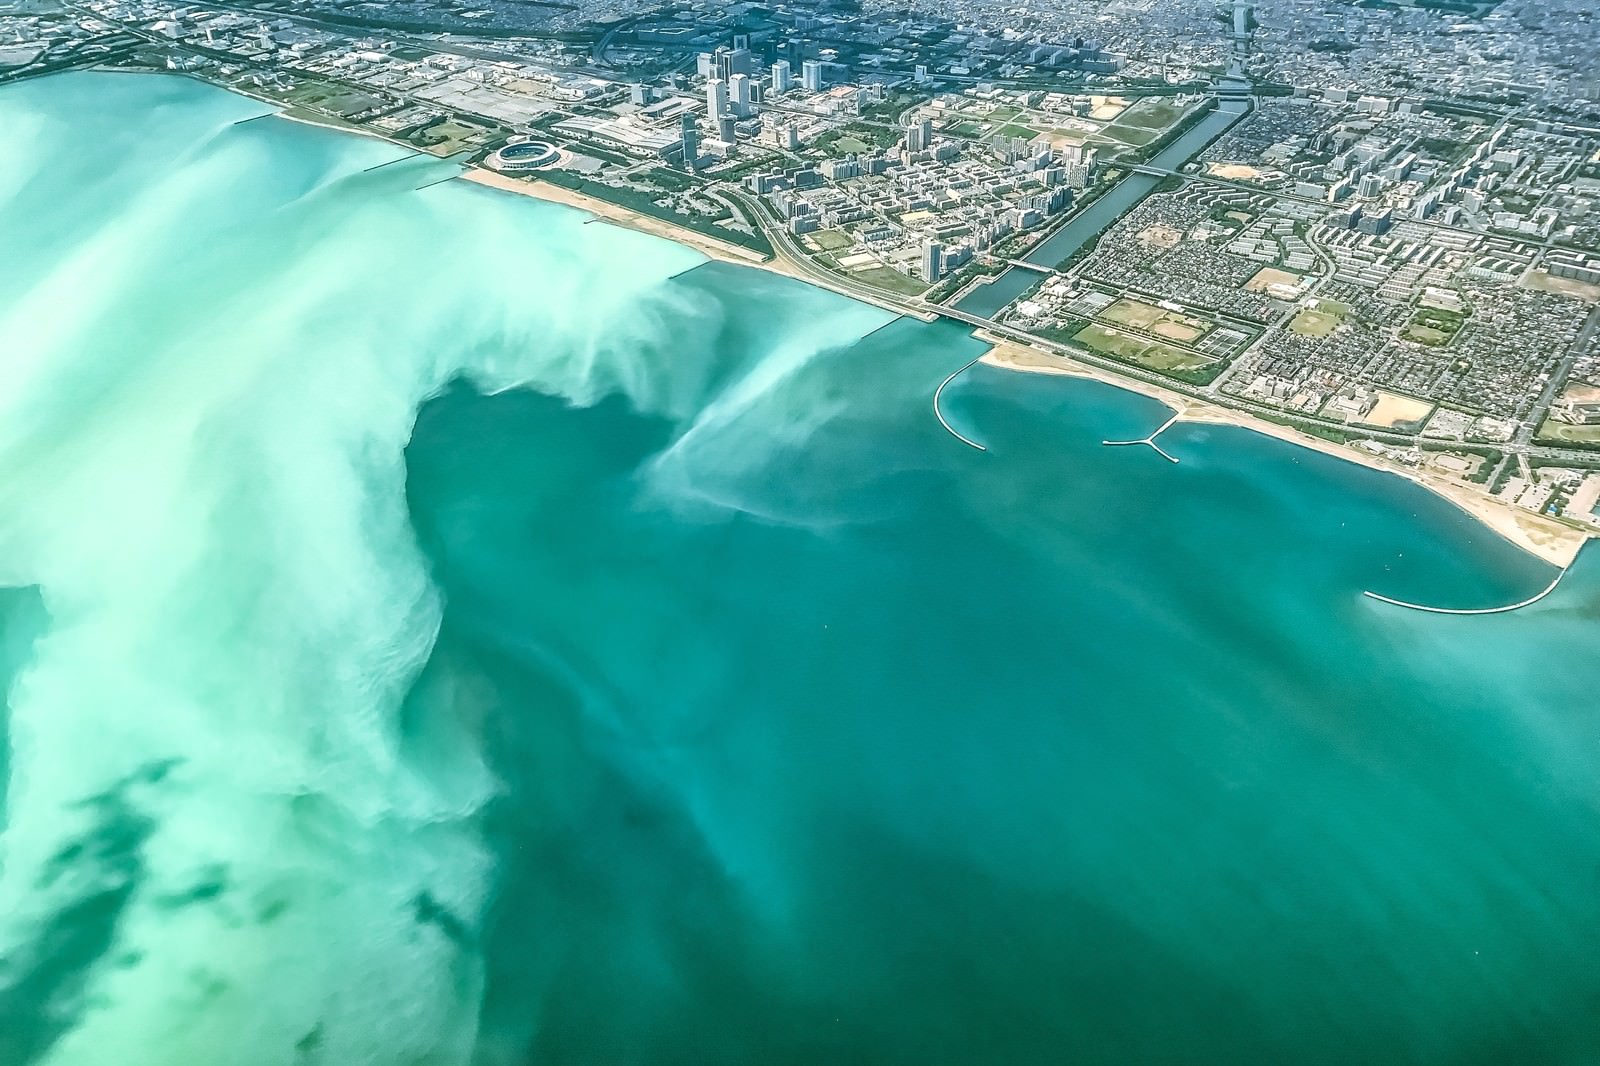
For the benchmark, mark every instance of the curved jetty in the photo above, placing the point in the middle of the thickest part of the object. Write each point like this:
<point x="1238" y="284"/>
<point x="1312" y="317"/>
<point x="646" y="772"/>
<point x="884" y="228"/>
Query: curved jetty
<point x="945" y="422"/>
<point x="1530" y="601"/>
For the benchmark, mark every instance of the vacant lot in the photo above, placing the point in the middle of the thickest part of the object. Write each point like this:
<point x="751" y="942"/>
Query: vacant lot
<point x="885" y="278"/>
<point x="449" y="137"/>
<point x="1233" y="171"/>
<point x="1161" y="236"/>
<point x="831" y="240"/>
<point x="1398" y="412"/>
<point x="332" y="98"/>
<point x="1136" y="313"/>
<point x="1581" y="392"/>
<point x="1016" y="129"/>
<point x="1547" y="282"/>
<point x="1153" y="112"/>
<point x="1126" y="136"/>
<point x="1270" y="276"/>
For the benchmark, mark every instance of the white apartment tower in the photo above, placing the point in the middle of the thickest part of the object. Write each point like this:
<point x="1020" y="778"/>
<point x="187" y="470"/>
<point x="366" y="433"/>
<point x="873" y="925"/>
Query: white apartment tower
<point x="716" y="100"/>
<point x="739" y="94"/>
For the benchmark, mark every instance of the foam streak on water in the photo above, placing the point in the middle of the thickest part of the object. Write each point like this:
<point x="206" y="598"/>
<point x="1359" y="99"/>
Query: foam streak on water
<point x="214" y="353"/>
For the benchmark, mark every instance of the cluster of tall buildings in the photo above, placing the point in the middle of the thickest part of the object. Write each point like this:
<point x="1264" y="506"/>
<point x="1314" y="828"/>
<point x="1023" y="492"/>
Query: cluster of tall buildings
<point x="735" y="89"/>
<point x="725" y="64"/>
<point x="919" y="135"/>
<point x="730" y="99"/>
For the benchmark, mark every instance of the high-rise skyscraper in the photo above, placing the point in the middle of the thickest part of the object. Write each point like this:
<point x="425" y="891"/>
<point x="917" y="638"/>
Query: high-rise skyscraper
<point x="932" y="260"/>
<point x="782" y="76"/>
<point x="811" y="76"/>
<point x="726" y="131"/>
<point x="691" y="141"/>
<point x="741" y="61"/>
<point x="739" y="94"/>
<point x="741" y="40"/>
<point x="919" y="135"/>
<point x="716" y="100"/>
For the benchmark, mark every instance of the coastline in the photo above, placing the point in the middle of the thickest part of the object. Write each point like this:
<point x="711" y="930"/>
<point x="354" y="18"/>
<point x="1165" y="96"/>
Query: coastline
<point x="305" y="120"/>
<point x="723" y="251"/>
<point x="705" y="244"/>
<point x="1545" y="539"/>
<point x="279" y="108"/>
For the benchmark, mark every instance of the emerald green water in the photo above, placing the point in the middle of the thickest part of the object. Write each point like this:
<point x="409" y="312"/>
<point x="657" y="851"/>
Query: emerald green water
<point x="444" y="631"/>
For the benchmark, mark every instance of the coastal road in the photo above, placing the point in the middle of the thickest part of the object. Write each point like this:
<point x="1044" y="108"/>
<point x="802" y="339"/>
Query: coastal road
<point x="795" y="257"/>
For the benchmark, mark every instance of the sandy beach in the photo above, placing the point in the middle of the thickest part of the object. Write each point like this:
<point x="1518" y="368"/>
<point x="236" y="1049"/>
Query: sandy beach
<point x="723" y="251"/>
<point x="704" y="243"/>
<point x="1552" y="541"/>
<point x="726" y="251"/>
<point x="1545" y="538"/>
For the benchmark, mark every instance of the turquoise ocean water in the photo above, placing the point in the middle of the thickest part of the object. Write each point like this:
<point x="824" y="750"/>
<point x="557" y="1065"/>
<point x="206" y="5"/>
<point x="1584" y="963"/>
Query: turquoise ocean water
<point x="439" y="630"/>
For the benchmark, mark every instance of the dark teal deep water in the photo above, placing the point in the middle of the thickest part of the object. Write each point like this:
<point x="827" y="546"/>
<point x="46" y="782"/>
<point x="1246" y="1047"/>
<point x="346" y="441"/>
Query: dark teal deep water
<point x="676" y="690"/>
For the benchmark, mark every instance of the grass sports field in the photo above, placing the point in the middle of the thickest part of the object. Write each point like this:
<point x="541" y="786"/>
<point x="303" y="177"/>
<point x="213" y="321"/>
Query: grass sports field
<point x="1171" y="325"/>
<point x="1567" y="433"/>
<point x="1147" y="353"/>
<point x="1433" y="327"/>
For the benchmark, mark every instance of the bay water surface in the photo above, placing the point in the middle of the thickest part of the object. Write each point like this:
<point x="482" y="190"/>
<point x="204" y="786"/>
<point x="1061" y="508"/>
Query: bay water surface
<point x="442" y="630"/>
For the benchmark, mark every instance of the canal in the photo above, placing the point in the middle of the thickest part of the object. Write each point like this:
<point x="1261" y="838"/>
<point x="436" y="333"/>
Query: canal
<point x="1086" y="225"/>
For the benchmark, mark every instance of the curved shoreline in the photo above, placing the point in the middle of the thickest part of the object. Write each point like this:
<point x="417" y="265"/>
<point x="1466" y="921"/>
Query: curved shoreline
<point x="1541" y="537"/>
<point x="704" y="243"/>
<point x="1549" y="541"/>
